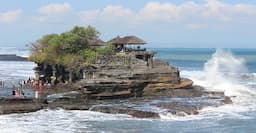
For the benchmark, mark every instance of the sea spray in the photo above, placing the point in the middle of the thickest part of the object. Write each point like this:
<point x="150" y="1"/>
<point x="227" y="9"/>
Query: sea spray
<point x="217" y="69"/>
<point x="225" y="61"/>
<point x="220" y="74"/>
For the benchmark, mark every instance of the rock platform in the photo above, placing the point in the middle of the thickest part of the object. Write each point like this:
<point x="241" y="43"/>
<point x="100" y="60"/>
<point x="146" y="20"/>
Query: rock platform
<point x="136" y="90"/>
<point x="180" y="102"/>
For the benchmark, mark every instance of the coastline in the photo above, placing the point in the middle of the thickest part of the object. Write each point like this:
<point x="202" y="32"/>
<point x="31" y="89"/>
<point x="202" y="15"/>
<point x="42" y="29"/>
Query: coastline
<point x="65" y="97"/>
<point x="118" y="89"/>
<point x="12" y="57"/>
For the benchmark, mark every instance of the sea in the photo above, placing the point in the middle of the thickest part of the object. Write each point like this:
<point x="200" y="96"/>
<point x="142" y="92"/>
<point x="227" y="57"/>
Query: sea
<point x="231" y="70"/>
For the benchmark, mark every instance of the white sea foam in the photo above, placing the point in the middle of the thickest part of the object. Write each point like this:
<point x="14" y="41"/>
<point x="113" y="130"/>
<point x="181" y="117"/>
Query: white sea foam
<point x="55" y="121"/>
<point x="224" y="72"/>
<point x="184" y="117"/>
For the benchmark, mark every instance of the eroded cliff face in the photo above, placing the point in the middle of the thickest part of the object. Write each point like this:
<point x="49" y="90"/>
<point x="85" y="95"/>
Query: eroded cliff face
<point x="136" y="80"/>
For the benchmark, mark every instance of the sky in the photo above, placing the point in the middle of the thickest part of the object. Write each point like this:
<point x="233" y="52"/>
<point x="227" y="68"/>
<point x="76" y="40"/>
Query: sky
<point x="161" y="23"/>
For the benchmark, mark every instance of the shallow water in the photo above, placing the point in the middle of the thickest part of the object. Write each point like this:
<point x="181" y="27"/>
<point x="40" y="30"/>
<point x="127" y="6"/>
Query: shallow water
<point x="233" y="72"/>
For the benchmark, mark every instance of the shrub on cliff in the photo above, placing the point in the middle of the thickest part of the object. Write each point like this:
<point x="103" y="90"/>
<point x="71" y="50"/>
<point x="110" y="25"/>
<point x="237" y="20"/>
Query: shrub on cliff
<point x="46" y="49"/>
<point x="79" y="38"/>
<point x="108" y="49"/>
<point x="62" y="48"/>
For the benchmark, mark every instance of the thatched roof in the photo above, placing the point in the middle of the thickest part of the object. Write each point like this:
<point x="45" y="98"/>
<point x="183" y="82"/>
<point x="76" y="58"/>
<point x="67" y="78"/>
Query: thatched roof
<point x="96" y="42"/>
<point x="129" y="40"/>
<point x="114" y="40"/>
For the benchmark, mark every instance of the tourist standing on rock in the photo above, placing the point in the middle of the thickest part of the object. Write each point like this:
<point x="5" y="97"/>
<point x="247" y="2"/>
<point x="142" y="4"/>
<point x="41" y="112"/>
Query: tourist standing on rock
<point x="28" y="81"/>
<point x="23" y="92"/>
<point x="13" y="90"/>
<point x="49" y="85"/>
<point x="34" y="83"/>
<point x="36" y="94"/>
<point x="41" y="87"/>
<point x="17" y="93"/>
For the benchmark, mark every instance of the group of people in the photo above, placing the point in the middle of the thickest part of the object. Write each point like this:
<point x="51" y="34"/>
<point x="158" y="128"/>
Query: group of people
<point x="17" y="92"/>
<point x="37" y="85"/>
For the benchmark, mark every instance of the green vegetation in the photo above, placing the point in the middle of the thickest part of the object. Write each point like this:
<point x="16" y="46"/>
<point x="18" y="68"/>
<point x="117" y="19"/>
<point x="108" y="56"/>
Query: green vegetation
<point x="108" y="49"/>
<point x="71" y="49"/>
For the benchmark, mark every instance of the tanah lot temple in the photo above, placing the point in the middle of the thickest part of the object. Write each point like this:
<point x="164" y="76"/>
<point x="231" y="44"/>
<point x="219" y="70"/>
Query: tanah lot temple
<point x="128" y="71"/>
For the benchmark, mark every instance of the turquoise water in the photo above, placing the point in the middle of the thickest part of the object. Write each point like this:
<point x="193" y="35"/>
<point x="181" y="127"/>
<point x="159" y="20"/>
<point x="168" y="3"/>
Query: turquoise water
<point x="229" y="70"/>
<point x="194" y="59"/>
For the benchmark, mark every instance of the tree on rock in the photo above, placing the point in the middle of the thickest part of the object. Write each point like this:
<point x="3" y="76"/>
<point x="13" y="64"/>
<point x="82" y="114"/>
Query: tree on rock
<point x="52" y="48"/>
<point x="67" y="52"/>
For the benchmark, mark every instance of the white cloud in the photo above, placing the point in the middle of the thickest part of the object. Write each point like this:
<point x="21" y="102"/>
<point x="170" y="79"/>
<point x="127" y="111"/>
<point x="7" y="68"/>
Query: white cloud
<point x="55" y="8"/>
<point x="89" y="15"/>
<point x="214" y="8"/>
<point x="110" y="13"/>
<point x="245" y="8"/>
<point x="117" y="11"/>
<point x="53" y="12"/>
<point x="10" y="16"/>
<point x="222" y="11"/>
<point x="188" y="13"/>
<point x="158" y="11"/>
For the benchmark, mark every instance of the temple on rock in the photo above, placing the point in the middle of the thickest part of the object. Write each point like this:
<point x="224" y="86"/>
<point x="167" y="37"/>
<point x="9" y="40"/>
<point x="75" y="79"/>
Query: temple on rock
<point x="128" y="70"/>
<point x="127" y="48"/>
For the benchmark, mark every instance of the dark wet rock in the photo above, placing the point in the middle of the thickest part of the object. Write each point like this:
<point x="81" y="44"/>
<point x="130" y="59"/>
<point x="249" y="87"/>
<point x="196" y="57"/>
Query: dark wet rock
<point x="65" y="96"/>
<point x="111" y="88"/>
<point x="194" y="91"/>
<point x="180" y="102"/>
<point x="214" y="94"/>
<point x="227" y="100"/>
<point x="12" y="57"/>
<point x="69" y="106"/>
<point x="19" y="105"/>
<point x="189" y="102"/>
<point x="129" y="111"/>
<point x="71" y="100"/>
<point x="180" y="109"/>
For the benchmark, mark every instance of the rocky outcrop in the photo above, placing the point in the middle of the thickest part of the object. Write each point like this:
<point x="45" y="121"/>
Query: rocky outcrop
<point x="177" y="108"/>
<point x="19" y="105"/>
<point x="180" y="102"/>
<point x="12" y="57"/>
<point x="111" y="88"/>
<point x="114" y="81"/>
<point x="137" y="88"/>
<point x="128" y="111"/>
